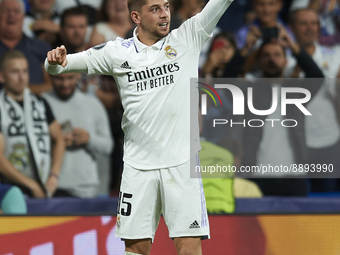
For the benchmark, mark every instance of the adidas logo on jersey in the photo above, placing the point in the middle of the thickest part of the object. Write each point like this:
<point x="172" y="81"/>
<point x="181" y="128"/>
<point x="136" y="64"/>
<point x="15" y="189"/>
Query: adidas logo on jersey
<point x="194" y="225"/>
<point x="125" y="65"/>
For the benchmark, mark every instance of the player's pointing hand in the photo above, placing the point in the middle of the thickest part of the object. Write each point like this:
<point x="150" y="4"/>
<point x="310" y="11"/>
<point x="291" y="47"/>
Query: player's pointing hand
<point x="57" y="56"/>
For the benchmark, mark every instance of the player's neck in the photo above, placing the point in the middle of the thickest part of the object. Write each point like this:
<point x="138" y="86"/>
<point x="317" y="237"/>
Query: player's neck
<point x="147" y="38"/>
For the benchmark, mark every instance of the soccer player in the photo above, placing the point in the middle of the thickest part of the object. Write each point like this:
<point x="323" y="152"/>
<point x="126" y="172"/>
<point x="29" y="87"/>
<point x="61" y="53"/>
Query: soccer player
<point x="153" y="71"/>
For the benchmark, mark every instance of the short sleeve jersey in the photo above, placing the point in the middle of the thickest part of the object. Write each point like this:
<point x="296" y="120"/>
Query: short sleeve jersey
<point x="154" y="86"/>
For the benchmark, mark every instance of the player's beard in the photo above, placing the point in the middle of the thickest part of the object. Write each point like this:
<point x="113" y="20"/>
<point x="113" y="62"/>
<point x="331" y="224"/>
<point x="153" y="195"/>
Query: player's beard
<point x="154" y="32"/>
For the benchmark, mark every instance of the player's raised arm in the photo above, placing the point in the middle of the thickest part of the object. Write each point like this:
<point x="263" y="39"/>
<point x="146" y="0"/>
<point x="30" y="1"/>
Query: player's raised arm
<point x="58" y="62"/>
<point x="211" y="14"/>
<point x="195" y="31"/>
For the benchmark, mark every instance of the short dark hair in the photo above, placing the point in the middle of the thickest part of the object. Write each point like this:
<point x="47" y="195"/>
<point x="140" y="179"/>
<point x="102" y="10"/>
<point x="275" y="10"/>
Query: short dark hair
<point x="74" y="11"/>
<point x="260" y="50"/>
<point x="292" y="14"/>
<point x="136" y="5"/>
<point x="9" y="55"/>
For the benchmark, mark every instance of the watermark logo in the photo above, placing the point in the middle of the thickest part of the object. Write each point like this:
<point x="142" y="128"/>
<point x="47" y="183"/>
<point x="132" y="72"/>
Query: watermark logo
<point x="239" y="99"/>
<point x="281" y="97"/>
<point x="204" y="87"/>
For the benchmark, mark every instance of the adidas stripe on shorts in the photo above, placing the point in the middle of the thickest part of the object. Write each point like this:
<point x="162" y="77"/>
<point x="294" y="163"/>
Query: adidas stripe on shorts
<point x="145" y="194"/>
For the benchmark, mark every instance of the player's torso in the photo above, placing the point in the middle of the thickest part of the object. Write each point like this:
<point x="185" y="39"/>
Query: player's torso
<point x="154" y="75"/>
<point x="154" y="85"/>
<point x="150" y="69"/>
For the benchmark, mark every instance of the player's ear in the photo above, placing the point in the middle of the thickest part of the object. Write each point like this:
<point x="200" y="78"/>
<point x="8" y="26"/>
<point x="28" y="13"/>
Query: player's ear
<point x="135" y="17"/>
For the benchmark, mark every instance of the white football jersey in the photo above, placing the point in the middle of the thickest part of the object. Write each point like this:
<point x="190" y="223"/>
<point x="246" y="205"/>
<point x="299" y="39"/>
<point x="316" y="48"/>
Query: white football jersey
<point x="154" y="86"/>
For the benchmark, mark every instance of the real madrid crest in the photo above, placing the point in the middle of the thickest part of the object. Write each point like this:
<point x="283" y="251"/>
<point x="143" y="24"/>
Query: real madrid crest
<point x="171" y="53"/>
<point x="19" y="157"/>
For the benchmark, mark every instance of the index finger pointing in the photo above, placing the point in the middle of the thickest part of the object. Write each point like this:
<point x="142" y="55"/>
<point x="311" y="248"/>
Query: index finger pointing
<point x="62" y="49"/>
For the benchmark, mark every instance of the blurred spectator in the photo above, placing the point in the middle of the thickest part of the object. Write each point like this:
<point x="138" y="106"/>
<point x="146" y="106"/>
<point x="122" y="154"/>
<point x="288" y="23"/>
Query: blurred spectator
<point x="224" y="57"/>
<point x="72" y="35"/>
<point x="86" y="133"/>
<point x="306" y="27"/>
<point x="90" y="7"/>
<point x="25" y="138"/>
<point x="115" y="21"/>
<point x="73" y="26"/>
<point x="42" y="22"/>
<point x="267" y="13"/>
<point x="276" y="145"/>
<point x="329" y="12"/>
<point x="12" y="37"/>
<point x="223" y="49"/>
<point x="72" y="22"/>
<point x="12" y="200"/>
<point x="225" y="61"/>
<point x="322" y="130"/>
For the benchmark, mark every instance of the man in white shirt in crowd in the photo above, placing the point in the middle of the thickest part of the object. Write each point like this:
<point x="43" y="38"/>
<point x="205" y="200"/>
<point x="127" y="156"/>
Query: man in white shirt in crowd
<point x="322" y="129"/>
<point x="86" y="133"/>
<point x="153" y="71"/>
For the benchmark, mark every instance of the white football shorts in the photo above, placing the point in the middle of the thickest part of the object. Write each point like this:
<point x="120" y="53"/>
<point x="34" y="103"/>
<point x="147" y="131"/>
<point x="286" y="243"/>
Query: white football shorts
<point x="145" y="194"/>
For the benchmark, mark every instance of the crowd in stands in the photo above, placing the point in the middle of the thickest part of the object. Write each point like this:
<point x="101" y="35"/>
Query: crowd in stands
<point x="61" y="135"/>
